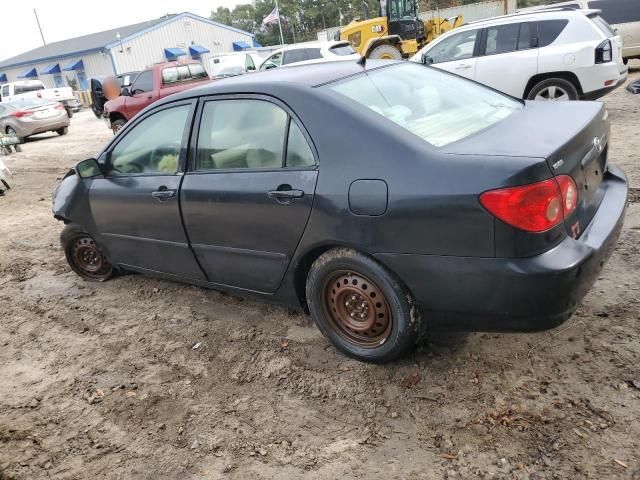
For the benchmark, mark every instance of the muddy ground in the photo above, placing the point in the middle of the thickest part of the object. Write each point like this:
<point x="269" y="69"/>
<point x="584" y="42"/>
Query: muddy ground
<point x="144" y="379"/>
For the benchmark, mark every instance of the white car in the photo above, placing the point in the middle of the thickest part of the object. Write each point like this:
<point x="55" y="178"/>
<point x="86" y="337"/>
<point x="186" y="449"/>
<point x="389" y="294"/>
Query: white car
<point x="310" y="52"/>
<point x="622" y="15"/>
<point x="231" y="64"/>
<point x="5" y="177"/>
<point x="561" y="54"/>
<point x="28" y="89"/>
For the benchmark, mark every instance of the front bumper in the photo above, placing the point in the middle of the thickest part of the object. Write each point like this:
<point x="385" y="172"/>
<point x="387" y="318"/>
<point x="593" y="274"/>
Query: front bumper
<point x="516" y="294"/>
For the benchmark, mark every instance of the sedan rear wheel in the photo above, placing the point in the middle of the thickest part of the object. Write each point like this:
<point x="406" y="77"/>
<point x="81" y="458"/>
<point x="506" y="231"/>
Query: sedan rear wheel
<point x="84" y="255"/>
<point x="361" y="307"/>
<point x="554" y="90"/>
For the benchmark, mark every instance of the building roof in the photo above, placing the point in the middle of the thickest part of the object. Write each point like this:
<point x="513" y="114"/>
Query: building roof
<point x="96" y="41"/>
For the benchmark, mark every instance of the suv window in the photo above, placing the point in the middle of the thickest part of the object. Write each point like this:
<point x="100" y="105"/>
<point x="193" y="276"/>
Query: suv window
<point x="457" y="47"/>
<point x="152" y="146"/>
<point x="143" y="83"/>
<point x="549" y="30"/>
<point x="343" y="49"/>
<point x="241" y="134"/>
<point x="249" y="63"/>
<point x="617" y="11"/>
<point x="292" y="56"/>
<point x="524" y="37"/>
<point x="502" y="38"/>
<point x="313" y="53"/>
<point x="272" y="62"/>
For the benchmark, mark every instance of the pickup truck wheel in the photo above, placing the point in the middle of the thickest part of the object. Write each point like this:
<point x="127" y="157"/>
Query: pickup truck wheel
<point x="361" y="307"/>
<point x="62" y="131"/>
<point x="84" y="255"/>
<point x="117" y="125"/>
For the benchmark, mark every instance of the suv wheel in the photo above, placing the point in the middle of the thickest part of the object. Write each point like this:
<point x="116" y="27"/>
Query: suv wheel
<point x="553" y="89"/>
<point x="361" y="307"/>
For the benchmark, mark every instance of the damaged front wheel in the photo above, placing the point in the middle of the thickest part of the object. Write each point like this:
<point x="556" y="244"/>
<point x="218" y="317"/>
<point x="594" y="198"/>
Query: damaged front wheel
<point x="84" y="255"/>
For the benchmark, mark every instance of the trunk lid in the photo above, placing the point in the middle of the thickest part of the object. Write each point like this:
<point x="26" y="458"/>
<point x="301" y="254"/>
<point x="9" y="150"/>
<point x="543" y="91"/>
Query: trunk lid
<point x="572" y="137"/>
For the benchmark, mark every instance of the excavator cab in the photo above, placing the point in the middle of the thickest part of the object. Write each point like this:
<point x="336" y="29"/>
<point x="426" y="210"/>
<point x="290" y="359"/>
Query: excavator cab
<point x="402" y="19"/>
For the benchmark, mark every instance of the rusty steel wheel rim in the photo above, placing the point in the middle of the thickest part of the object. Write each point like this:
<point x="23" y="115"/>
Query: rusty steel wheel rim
<point x="357" y="309"/>
<point x="88" y="258"/>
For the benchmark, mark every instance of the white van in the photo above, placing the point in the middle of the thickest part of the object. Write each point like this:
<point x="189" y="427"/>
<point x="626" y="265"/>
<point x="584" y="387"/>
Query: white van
<point x="622" y="15"/>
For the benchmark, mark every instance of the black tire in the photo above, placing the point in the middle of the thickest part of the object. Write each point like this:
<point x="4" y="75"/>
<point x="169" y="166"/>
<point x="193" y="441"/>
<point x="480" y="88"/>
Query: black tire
<point x="554" y="84"/>
<point x="387" y="52"/>
<point x="117" y="125"/>
<point x="625" y="61"/>
<point x="84" y="255"/>
<point x="405" y="325"/>
<point x="62" y="131"/>
<point x="69" y="112"/>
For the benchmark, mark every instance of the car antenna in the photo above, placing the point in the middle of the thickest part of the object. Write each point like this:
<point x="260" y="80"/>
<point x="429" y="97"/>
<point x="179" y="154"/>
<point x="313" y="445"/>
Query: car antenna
<point x="362" y="61"/>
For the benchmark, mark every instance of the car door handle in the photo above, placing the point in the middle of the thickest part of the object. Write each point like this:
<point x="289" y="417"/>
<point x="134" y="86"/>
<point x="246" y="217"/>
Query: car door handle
<point x="285" y="194"/>
<point x="163" y="194"/>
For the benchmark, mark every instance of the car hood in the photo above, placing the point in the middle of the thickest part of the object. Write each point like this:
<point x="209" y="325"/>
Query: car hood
<point x="539" y="130"/>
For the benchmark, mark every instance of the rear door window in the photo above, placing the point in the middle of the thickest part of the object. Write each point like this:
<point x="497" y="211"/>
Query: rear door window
<point x="502" y="39"/>
<point x="549" y="31"/>
<point x="524" y="37"/>
<point x="617" y="11"/>
<point x="313" y="53"/>
<point x="293" y="56"/>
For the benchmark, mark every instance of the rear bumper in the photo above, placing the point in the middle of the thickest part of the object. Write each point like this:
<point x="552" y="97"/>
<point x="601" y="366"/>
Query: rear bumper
<point x="601" y="92"/>
<point x="39" y="126"/>
<point x="516" y="294"/>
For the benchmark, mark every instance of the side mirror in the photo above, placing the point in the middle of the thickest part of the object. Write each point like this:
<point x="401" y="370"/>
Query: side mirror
<point x="89" y="168"/>
<point x="426" y="59"/>
<point x="125" y="92"/>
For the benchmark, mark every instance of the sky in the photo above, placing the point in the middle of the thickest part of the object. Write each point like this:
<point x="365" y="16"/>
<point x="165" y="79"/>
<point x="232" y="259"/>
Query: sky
<point x="62" y="19"/>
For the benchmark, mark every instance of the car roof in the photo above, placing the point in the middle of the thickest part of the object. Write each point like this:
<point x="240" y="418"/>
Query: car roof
<point x="558" y="12"/>
<point x="309" y="75"/>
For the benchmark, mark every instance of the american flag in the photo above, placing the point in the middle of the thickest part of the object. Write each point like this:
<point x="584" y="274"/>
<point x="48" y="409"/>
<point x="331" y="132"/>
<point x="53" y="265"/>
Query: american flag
<point x="274" y="16"/>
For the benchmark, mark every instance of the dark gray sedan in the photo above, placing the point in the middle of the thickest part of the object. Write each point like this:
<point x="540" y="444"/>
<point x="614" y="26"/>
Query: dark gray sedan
<point x="386" y="198"/>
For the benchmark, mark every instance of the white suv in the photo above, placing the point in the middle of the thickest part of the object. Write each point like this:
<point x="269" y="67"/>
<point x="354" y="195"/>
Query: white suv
<point x="310" y="52"/>
<point x="561" y="54"/>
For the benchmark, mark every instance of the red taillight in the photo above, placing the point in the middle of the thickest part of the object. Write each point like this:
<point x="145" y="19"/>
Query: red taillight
<point x="536" y="207"/>
<point x="59" y="106"/>
<point x="20" y="114"/>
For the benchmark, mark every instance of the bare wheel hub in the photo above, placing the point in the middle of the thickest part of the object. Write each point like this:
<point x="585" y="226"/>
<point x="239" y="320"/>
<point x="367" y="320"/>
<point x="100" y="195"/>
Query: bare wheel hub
<point x="88" y="257"/>
<point x="357" y="309"/>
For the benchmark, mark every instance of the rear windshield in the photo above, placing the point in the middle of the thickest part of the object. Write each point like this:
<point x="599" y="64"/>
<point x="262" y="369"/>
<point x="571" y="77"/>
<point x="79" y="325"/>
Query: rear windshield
<point x="438" y="107"/>
<point x="18" y="89"/>
<point x="602" y="25"/>
<point x="27" y="103"/>
<point x="342" y="49"/>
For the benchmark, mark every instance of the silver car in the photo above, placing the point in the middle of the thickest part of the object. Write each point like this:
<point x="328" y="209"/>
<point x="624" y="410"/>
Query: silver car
<point x="31" y="116"/>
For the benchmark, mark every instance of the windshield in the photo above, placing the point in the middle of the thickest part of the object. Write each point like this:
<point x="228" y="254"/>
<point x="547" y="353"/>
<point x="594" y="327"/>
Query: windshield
<point x="27" y="102"/>
<point x="438" y="107"/>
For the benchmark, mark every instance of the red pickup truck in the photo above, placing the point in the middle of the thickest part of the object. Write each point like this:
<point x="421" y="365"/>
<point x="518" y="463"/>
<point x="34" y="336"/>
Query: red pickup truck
<point x="151" y="85"/>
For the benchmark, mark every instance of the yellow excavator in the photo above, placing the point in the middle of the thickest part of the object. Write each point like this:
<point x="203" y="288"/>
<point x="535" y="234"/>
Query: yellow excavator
<point x="397" y="32"/>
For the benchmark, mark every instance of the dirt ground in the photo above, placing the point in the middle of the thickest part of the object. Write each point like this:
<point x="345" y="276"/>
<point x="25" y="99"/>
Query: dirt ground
<point x="138" y="378"/>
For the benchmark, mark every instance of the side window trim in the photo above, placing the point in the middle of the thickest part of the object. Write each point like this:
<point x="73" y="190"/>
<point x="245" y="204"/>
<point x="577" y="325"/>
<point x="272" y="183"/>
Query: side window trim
<point x="105" y="156"/>
<point x="197" y="122"/>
